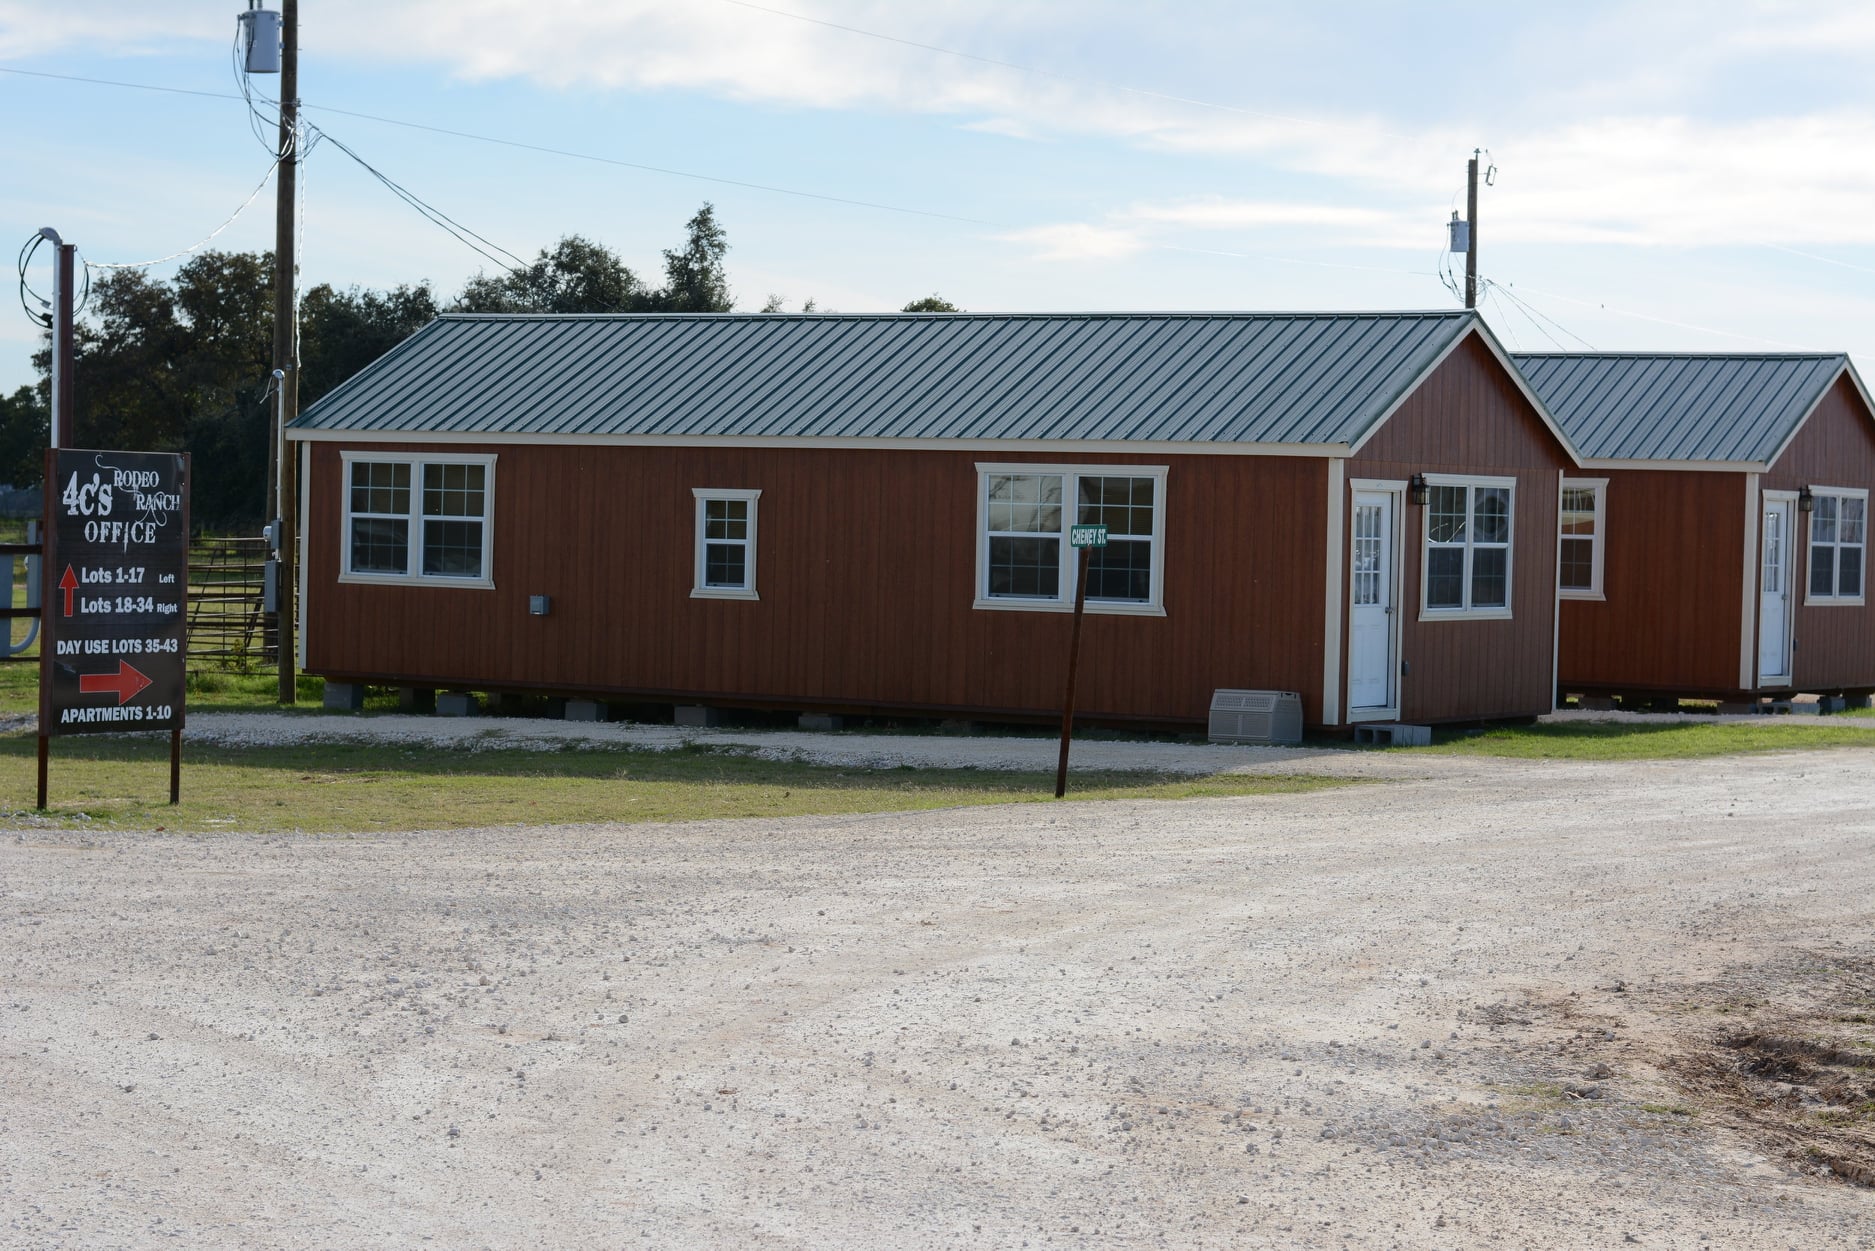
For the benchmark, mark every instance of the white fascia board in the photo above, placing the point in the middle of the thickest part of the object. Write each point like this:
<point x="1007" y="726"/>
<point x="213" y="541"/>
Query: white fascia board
<point x="1070" y="447"/>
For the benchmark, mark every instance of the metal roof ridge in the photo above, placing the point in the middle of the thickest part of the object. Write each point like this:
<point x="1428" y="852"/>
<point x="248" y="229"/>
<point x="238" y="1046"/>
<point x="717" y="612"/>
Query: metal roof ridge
<point x="1681" y="356"/>
<point x="1235" y="314"/>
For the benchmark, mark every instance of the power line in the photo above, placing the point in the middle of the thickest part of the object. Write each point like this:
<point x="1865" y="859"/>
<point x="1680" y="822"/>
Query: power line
<point x="205" y="239"/>
<point x="1811" y="256"/>
<point x="1667" y="321"/>
<point x="1530" y="310"/>
<point x="654" y="169"/>
<point x="434" y="215"/>
<point x="530" y="147"/>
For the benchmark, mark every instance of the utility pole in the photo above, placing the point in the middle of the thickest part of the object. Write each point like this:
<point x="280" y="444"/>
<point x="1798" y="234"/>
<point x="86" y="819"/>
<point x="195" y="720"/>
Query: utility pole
<point x="64" y="398"/>
<point x="1471" y="221"/>
<point x="285" y="349"/>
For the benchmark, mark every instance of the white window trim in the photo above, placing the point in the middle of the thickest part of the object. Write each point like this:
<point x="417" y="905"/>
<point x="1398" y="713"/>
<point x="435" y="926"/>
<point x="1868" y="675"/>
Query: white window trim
<point x="1594" y="589"/>
<point x="703" y="495"/>
<point x="1425" y="547"/>
<point x="1809" y="549"/>
<point x="1070" y="567"/>
<point x="416" y="461"/>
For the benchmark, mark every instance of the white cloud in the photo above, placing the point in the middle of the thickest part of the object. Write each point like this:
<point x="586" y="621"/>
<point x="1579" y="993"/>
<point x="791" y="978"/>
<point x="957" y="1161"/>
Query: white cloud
<point x="1622" y="175"/>
<point x="1078" y="241"/>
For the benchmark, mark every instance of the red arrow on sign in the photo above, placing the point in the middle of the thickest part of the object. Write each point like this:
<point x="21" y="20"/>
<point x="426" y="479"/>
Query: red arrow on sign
<point x="125" y="683"/>
<point x="68" y="583"/>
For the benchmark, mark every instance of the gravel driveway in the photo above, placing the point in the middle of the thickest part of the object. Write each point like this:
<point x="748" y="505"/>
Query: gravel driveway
<point x="1342" y="1019"/>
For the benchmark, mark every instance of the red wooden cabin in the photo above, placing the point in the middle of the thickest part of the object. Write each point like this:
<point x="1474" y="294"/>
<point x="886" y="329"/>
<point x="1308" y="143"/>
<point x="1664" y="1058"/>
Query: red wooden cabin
<point x="1715" y="544"/>
<point x="868" y="514"/>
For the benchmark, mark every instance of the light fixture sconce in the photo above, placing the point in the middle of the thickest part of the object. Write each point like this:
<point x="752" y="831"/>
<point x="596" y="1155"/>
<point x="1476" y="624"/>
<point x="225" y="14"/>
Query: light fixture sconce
<point x="1417" y="491"/>
<point x="1805" y="500"/>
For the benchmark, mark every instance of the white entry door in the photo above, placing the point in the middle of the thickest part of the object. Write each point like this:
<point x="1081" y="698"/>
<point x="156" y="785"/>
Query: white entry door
<point x="1371" y="601"/>
<point x="1774" y="594"/>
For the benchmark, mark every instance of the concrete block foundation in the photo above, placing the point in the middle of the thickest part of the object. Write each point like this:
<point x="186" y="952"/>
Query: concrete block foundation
<point x="457" y="704"/>
<point x="820" y="721"/>
<point x="586" y="710"/>
<point x="344" y="697"/>
<point x="697" y="716"/>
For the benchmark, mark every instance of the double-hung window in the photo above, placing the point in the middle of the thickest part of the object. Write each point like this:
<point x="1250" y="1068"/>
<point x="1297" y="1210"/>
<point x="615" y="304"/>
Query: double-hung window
<point x="1468" y="547"/>
<point x="1025" y="513"/>
<point x="1579" y="572"/>
<point x="1838" y="541"/>
<point x="725" y="546"/>
<point x="425" y="519"/>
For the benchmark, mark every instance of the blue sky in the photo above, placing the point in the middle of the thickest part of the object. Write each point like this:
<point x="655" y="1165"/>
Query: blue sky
<point x="1669" y="175"/>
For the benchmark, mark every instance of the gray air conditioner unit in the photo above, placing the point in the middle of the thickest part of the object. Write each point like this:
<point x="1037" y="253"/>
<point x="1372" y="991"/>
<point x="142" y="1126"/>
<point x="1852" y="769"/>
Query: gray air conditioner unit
<point x="1256" y="717"/>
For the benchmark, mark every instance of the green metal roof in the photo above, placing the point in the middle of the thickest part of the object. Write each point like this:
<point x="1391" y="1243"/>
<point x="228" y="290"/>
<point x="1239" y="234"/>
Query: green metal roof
<point x="1272" y="378"/>
<point x="1680" y="406"/>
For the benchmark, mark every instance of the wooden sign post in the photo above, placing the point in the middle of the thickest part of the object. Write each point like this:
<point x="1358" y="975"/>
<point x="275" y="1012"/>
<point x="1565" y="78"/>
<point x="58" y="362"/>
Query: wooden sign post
<point x="1083" y="539"/>
<point x="112" y="645"/>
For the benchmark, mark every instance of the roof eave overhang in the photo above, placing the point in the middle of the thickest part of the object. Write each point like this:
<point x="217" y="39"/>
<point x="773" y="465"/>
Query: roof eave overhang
<point x="1476" y="326"/>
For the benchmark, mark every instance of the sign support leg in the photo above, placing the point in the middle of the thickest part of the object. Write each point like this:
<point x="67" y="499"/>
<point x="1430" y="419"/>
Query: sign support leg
<point x="175" y="766"/>
<point x="1074" y="663"/>
<point x="45" y="752"/>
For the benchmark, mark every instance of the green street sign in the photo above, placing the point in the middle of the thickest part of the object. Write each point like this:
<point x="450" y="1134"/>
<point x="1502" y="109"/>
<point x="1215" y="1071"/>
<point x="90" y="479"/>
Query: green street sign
<point x="1087" y="536"/>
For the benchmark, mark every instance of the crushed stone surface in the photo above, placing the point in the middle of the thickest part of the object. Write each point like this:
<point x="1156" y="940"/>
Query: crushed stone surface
<point x="1386" y="1016"/>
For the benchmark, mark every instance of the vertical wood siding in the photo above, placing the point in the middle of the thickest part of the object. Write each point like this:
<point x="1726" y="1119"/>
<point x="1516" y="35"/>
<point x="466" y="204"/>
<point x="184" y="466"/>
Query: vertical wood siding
<point x="1671" y="573"/>
<point x="1470" y="418"/>
<point x="866" y="567"/>
<point x="1835" y="644"/>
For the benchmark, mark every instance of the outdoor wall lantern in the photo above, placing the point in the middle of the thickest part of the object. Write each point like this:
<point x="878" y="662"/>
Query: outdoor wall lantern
<point x="1417" y="490"/>
<point x="1805" y="500"/>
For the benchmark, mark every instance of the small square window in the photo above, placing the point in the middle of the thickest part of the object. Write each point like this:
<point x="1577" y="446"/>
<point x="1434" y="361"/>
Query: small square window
<point x="725" y="544"/>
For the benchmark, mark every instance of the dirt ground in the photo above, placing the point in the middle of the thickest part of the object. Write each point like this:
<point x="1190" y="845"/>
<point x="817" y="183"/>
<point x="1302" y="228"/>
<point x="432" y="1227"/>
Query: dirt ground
<point x="1488" y="1005"/>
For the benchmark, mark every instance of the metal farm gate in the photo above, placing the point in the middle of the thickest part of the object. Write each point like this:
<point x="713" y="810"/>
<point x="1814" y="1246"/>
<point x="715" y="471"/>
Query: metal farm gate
<point x="229" y="627"/>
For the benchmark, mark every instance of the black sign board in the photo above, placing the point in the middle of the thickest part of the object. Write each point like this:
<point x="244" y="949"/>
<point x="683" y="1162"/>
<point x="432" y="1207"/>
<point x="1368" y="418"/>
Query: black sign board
<point x="116" y="568"/>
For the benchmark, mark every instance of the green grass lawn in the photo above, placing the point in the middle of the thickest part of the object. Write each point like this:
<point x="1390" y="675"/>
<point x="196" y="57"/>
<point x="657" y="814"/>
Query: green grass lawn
<point x="1598" y="740"/>
<point x="122" y="782"/>
<point x="209" y="691"/>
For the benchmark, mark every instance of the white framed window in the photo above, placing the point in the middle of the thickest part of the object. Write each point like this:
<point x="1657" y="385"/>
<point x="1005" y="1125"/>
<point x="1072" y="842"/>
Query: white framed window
<point x="1024" y="560"/>
<point x="1582" y="529"/>
<point x="418" y="520"/>
<point x="1838" y="545"/>
<point x="1467" y="569"/>
<point x="725" y="547"/>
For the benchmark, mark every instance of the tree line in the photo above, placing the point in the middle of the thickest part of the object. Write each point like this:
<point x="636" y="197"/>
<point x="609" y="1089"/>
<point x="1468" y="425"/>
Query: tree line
<point x="185" y="363"/>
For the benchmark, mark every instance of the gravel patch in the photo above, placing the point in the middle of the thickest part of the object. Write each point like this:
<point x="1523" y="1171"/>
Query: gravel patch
<point x="855" y="750"/>
<point x="1388" y="1016"/>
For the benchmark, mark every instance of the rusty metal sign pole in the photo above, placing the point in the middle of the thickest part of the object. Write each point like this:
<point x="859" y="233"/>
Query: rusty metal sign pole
<point x="1085" y="539"/>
